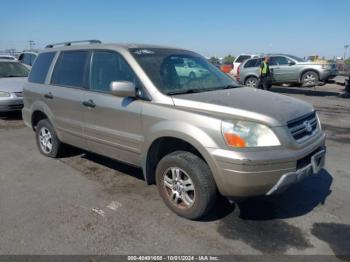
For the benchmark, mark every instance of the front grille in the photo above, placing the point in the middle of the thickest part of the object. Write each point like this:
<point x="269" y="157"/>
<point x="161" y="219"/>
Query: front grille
<point x="303" y="127"/>
<point x="19" y="94"/>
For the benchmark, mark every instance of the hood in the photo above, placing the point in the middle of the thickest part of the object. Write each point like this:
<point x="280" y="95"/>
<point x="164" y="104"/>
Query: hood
<point x="247" y="103"/>
<point x="12" y="84"/>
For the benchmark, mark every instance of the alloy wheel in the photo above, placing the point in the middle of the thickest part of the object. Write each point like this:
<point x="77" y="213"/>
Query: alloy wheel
<point x="45" y="140"/>
<point x="179" y="187"/>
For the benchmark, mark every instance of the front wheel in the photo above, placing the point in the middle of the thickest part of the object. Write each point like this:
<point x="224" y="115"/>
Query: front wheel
<point x="186" y="184"/>
<point x="310" y="78"/>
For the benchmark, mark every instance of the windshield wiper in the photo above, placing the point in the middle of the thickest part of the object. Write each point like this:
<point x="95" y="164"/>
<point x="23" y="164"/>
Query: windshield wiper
<point x="12" y="76"/>
<point x="231" y="86"/>
<point x="188" y="91"/>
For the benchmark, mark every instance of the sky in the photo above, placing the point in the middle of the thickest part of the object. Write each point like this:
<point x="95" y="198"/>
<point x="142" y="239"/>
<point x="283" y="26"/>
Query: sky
<point x="212" y="28"/>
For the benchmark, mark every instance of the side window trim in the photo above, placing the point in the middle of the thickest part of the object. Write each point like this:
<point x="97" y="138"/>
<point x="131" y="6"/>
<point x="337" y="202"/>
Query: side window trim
<point x="49" y="73"/>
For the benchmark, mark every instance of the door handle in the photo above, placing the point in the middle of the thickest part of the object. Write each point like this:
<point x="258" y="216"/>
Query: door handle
<point x="90" y="103"/>
<point x="48" y="95"/>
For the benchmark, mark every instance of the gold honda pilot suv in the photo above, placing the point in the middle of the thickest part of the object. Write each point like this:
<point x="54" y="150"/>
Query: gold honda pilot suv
<point x="194" y="135"/>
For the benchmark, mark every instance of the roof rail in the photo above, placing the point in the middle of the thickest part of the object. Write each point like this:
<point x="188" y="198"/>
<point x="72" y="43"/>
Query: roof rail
<point x="74" y="42"/>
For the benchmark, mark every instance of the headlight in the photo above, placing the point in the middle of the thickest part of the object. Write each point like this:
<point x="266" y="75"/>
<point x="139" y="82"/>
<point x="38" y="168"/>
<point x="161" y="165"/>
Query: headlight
<point x="4" y="94"/>
<point x="248" y="134"/>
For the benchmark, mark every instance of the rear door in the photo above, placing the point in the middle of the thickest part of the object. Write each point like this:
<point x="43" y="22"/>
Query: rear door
<point x="65" y="95"/>
<point x="112" y="124"/>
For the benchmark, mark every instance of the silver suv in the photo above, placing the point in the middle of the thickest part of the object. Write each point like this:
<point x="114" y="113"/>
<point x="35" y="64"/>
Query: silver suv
<point x="193" y="137"/>
<point x="286" y="69"/>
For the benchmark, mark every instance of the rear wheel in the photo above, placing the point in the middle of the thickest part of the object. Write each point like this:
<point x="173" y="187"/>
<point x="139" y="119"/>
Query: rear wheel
<point x="252" y="82"/>
<point x="47" y="140"/>
<point x="186" y="185"/>
<point x="310" y="78"/>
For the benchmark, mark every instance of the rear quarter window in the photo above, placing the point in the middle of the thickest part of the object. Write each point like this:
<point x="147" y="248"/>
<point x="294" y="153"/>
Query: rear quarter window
<point x="41" y="67"/>
<point x="242" y="58"/>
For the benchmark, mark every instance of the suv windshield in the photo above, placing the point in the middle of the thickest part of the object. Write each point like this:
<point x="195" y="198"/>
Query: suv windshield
<point x="9" y="69"/>
<point x="177" y="71"/>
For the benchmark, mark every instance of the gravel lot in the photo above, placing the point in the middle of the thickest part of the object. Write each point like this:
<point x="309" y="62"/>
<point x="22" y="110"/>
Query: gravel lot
<point x="88" y="204"/>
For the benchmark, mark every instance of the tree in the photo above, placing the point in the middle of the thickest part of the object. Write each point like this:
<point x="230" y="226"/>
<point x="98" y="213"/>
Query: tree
<point x="347" y="61"/>
<point x="214" y="60"/>
<point x="229" y="59"/>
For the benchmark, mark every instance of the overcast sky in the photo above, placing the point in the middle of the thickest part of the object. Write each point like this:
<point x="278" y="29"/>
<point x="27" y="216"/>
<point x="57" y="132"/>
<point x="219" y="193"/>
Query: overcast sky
<point x="209" y="27"/>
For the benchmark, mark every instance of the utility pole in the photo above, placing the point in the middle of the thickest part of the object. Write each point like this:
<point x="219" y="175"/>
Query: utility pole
<point x="31" y="44"/>
<point x="345" y="49"/>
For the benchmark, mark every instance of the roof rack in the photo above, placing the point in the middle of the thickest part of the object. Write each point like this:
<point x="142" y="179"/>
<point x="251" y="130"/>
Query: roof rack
<point x="74" y="42"/>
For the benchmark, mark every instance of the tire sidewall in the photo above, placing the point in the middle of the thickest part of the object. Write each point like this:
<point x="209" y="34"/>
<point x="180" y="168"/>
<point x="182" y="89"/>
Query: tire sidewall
<point x="201" y="197"/>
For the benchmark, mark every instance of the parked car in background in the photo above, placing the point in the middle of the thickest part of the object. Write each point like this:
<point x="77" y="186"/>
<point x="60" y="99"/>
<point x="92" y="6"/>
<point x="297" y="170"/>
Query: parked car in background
<point x="188" y="68"/>
<point x="286" y="69"/>
<point x="226" y="68"/>
<point x="239" y="60"/>
<point x="27" y="58"/>
<point x="7" y="57"/>
<point x="192" y="137"/>
<point x="12" y="77"/>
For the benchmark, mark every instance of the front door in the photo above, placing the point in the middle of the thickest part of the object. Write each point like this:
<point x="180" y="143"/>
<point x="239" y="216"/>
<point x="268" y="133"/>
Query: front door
<point x="112" y="124"/>
<point x="283" y="71"/>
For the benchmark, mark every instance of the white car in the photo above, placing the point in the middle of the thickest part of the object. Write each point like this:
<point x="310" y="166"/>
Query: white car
<point x="189" y="69"/>
<point x="239" y="60"/>
<point x="8" y="57"/>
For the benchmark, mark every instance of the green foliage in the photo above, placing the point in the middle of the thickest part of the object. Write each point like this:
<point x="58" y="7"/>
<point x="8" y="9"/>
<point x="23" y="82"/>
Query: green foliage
<point x="347" y="61"/>
<point x="229" y="59"/>
<point x="214" y="60"/>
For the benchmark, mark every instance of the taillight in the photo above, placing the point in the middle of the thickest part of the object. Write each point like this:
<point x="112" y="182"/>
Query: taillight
<point x="238" y="69"/>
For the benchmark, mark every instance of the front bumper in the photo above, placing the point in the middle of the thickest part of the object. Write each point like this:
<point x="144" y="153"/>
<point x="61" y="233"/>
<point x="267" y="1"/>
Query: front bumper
<point x="260" y="172"/>
<point x="11" y="104"/>
<point x="326" y="74"/>
<point x="286" y="180"/>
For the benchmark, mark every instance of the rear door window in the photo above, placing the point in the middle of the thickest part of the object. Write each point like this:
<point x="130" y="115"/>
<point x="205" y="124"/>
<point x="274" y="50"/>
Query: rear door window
<point x="250" y="63"/>
<point x="70" y="68"/>
<point x="41" y="67"/>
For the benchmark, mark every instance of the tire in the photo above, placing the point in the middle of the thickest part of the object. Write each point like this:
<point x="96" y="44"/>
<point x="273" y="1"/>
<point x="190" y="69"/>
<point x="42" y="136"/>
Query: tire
<point x="310" y="78"/>
<point x="192" y="75"/>
<point x="47" y="141"/>
<point x="252" y="82"/>
<point x="180" y="170"/>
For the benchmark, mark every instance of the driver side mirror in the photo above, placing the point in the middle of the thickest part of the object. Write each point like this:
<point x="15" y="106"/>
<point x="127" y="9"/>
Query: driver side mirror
<point x="290" y="63"/>
<point x="123" y="89"/>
